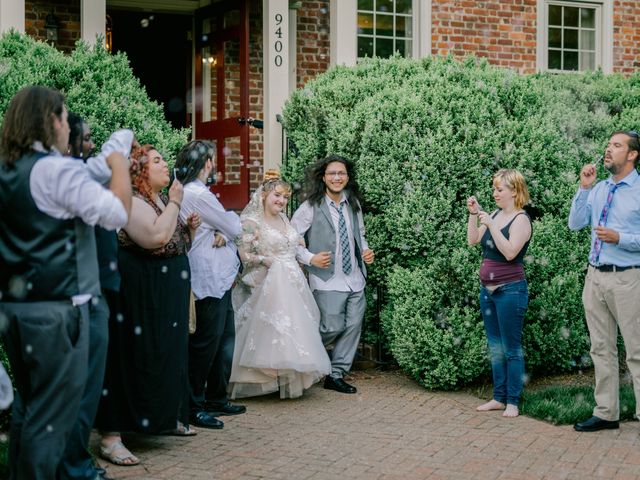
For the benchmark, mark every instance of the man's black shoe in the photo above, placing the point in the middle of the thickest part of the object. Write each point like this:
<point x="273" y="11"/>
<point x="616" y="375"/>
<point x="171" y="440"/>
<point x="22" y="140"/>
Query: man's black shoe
<point x="338" y="384"/>
<point x="596" y="423"/>
<point x="224" y="410"/>
<point x="206" y="420"/>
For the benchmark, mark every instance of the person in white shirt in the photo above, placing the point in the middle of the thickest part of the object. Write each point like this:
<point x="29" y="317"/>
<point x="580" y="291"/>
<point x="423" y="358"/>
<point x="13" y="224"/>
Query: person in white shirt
<point x="49" y="272"/>
<point x="331" y="222"/>
<point x="214" y="264"/>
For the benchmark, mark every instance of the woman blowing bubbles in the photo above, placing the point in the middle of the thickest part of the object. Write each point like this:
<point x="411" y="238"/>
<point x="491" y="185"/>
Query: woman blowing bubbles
<point x="504" y="236"/>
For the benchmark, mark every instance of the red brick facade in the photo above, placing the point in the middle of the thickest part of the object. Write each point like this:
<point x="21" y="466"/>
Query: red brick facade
<point x="626" y="36"/>
<point x="503" y="31"/>
<point x="67" y="14"/>
<point x="312" y="41"/>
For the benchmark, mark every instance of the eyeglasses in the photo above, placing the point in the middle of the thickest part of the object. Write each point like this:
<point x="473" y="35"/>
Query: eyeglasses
<point x="335" y="174"/>
<point x="633" y="133"/>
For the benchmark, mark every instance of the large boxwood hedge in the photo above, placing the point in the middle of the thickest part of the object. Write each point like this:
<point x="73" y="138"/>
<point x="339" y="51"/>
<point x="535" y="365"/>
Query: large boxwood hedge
<point x="425" y="134"/>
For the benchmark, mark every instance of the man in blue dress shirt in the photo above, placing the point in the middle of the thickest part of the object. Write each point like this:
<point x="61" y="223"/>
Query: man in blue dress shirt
<point x="611" y="294"/>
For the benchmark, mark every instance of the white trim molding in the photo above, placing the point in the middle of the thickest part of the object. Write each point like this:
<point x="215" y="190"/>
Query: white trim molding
<point x="12" y="15"/>
<point x="343" y="33"/>
<point x="422" y="28"/>
<point x="93" y="14"/>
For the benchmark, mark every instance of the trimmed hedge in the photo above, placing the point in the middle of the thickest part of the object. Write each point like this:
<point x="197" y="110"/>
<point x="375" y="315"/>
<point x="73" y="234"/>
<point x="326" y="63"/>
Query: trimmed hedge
<point x="425" y="134"/>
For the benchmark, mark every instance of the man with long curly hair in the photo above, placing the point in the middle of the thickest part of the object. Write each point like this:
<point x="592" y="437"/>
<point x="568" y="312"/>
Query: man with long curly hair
<point x="331" y="221"/>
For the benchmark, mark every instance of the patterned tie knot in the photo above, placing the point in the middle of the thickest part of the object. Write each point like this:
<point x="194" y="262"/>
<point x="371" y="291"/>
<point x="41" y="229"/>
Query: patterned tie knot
<point x="344" y="239"/>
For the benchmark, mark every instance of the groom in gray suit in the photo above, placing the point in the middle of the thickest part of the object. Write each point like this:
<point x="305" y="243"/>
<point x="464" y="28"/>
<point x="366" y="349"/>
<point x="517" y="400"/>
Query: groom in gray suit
<point x="331" y="222"/>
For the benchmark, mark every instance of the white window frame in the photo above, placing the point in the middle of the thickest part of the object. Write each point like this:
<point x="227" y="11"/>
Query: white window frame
<point x="604" y="33"/>
<point x="344" y="31"/>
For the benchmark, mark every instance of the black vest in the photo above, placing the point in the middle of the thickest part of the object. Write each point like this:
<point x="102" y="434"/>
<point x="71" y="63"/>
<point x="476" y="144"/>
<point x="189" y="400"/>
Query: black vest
<point x="41" y="257"/>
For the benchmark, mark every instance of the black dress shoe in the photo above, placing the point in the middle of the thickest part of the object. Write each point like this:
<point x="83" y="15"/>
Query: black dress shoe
<point x="206" y="420"/>
<point x="338" y="384"/>
<point x="596" y="423"/>
<point x="227" y="409"/>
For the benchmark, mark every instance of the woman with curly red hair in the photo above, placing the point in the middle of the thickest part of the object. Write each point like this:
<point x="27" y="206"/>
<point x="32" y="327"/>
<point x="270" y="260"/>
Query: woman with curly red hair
<point x="146" y="386"/>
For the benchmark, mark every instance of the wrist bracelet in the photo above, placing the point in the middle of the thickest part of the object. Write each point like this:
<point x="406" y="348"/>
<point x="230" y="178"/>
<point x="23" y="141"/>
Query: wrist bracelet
<point x="177" y="204"/>
<point x="473" y="213"/>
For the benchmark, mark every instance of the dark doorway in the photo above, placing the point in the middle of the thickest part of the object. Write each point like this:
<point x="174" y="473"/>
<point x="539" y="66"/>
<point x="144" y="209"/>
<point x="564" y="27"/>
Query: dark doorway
<point x="159" y="49"/>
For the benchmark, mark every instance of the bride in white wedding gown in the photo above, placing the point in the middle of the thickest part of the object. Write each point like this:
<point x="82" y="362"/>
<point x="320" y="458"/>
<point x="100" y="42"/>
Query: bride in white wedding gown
<point x="278" y="345"/>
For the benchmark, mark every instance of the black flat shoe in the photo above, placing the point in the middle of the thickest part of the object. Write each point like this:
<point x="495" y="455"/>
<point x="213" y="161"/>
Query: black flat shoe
<point x="338" y="384"/>
<point x="206" y="420"/>
<point x="596" y="423"/>
<point x="224" y="410"/>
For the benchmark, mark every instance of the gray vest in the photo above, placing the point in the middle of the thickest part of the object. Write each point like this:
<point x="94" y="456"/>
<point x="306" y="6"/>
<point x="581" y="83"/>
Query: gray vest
<point x="49" y="258"/>
<point x="321" y="237"/>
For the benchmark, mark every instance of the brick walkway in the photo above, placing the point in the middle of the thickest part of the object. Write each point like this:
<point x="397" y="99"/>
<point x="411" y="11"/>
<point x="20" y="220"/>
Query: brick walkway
<point x="392" y="429"/>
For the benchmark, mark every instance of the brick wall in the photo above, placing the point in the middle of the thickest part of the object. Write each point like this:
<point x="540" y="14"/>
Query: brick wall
<point x="67" y="12"/>
<point x="626" y="36"/>
<point x="503" y="31"/>
<point x="312" y="40"/>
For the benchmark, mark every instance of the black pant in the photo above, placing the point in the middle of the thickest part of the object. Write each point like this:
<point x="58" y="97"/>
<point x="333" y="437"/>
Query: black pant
<point x="211" y="351"/>
<point x="77" y="463"/>
<point x="47" y="346"/>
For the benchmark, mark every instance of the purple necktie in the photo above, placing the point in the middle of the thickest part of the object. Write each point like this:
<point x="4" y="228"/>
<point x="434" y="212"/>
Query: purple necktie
<point x="597" y="246"/>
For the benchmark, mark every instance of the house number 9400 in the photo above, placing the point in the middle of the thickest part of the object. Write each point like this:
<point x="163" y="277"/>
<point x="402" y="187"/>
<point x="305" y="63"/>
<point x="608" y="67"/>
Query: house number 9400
<point x="278" y="43"/>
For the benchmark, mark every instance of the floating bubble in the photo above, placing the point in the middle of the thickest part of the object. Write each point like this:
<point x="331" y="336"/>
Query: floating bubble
<point x="145" y="422"/>
<point x="565" y="333"/>
<point x="137" y="330"/>
<point x="3" y="438"/>
<point x="113" y="266"/>
<point x="105" y="392"/>
<point x="95" y="301"/>
<point x="323" y="30"/>
<point x="457" y="341"/>
<point x="175" y="324"/>
<point x="580" y="397"/>
<point x="487" y="312"/>
<point x="18" y="287"/>
<point x="323" y="10"/>
<point x="205" y="38"/>
<point x="164" y="269"/>
<point x="184" y="274"/>
<point x="144" y="23"/>
<point x="28" y="349"/>
<point x="256" y="163"/>
<point x="120" y="318"/>
<point x="226" y="151"/>
<point x="526" y="378"/>
<point x="68" y="246"/>
<point x="49" y="428"/>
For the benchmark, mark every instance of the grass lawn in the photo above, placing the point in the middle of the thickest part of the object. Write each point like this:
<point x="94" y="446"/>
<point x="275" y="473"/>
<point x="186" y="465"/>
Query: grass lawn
<point x="564" y="399"/>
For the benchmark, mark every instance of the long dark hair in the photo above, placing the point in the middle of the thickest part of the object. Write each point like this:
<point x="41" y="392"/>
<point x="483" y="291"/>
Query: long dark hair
<point x="191" y="159"/>
<point x="75" y="135"/>
<point x="315" y="181"/>
<point x="28" y="119"/>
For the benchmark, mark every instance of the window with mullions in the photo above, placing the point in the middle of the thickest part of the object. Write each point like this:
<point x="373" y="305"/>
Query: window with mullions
<point x="572" y="36"/>
<point x="385" y="27"/>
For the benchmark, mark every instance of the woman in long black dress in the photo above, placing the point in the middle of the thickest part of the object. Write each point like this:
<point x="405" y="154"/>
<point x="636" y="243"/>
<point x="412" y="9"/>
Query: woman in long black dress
<point x="146" y="385"/>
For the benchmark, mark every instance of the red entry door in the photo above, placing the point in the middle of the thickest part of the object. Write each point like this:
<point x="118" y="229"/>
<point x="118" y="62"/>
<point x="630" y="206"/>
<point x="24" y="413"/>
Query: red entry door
<point x="222" y="94"/>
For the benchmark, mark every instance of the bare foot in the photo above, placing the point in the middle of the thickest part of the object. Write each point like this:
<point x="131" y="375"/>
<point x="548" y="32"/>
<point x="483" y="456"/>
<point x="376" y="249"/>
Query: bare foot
<point x="511" y="411"/>
<point x="490" y="405"/>
<point x="113" y="450"/>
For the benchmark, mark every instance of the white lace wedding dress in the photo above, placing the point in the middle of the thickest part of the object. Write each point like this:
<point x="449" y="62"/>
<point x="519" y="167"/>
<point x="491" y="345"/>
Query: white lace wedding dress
<point x="278" y="345"/>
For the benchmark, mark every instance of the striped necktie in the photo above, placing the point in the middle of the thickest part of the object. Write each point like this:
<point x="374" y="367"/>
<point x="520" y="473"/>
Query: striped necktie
<point x="597" y="245"/>
<point x="344" y="240"/>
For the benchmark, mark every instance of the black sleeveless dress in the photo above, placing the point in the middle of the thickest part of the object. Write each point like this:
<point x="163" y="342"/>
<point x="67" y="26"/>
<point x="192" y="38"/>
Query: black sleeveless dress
<point x="146" y="386"/>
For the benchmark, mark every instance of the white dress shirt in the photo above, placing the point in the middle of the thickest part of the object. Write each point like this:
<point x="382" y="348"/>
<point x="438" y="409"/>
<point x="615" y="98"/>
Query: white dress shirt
<point x="120" y="141"/>
<point x="213" y="269"/>
<point x="340" y="282"/>
<point x="62" y="188"/>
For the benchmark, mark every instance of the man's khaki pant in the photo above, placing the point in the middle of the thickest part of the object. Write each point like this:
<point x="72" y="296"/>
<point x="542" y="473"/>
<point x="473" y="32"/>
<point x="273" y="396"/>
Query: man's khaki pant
<point x="612" y="300"/>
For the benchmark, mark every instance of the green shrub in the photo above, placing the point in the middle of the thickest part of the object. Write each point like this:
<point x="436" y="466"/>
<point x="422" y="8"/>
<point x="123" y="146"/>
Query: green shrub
<point x="425" y="134"/>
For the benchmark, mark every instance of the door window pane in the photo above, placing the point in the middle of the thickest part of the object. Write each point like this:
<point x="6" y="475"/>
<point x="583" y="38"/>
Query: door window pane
<point x="587" y="40"/>
<point x="209" y="84"/>
<point x="555" y="15"/>
<point x="570" y="39"/>
<point x="555" y="37"/>
<point x="571" y="16"/>
<point x="365" y="23"/>
<point x="365" y="5"/>
<point x="570" y="61"/>
<point x="232" y="79"/>
<point x="555" y="60"/>
<point x="384" y="6"/>
<point x="384" y="47"/>
<point x="587" y="18"/>
<point x="404" y="6"/>
<point x="232" y="161"/>
<point x="365" y="47"/>
<point x="403" y="27"/>
<point x="587" y="61"/>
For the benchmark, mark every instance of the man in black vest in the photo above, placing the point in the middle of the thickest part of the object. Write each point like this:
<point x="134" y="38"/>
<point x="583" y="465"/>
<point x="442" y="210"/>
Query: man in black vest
<point x="331" y="222"/>
<point x="48" y="272"/>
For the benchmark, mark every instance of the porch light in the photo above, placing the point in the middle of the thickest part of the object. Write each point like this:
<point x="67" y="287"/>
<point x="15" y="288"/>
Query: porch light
<point x="51" y="27"/>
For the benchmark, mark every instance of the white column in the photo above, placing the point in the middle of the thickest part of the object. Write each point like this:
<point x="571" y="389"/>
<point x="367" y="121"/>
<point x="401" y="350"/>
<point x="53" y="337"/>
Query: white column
<point x="92" y="19"/>
<point x="343" y="36"/>
<point x="293" y="50"/>
<point x="275" y="38"/>
<point x="11" y="15"/>
<point x="422" y="28"/>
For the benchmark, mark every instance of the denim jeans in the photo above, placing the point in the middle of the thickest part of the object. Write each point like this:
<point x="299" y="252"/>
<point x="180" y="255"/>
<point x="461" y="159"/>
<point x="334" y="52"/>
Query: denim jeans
<point x="503" y="314"/>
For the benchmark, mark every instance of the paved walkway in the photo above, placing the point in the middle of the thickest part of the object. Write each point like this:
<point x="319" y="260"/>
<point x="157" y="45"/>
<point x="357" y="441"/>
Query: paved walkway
<point x="392" y="429"/>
